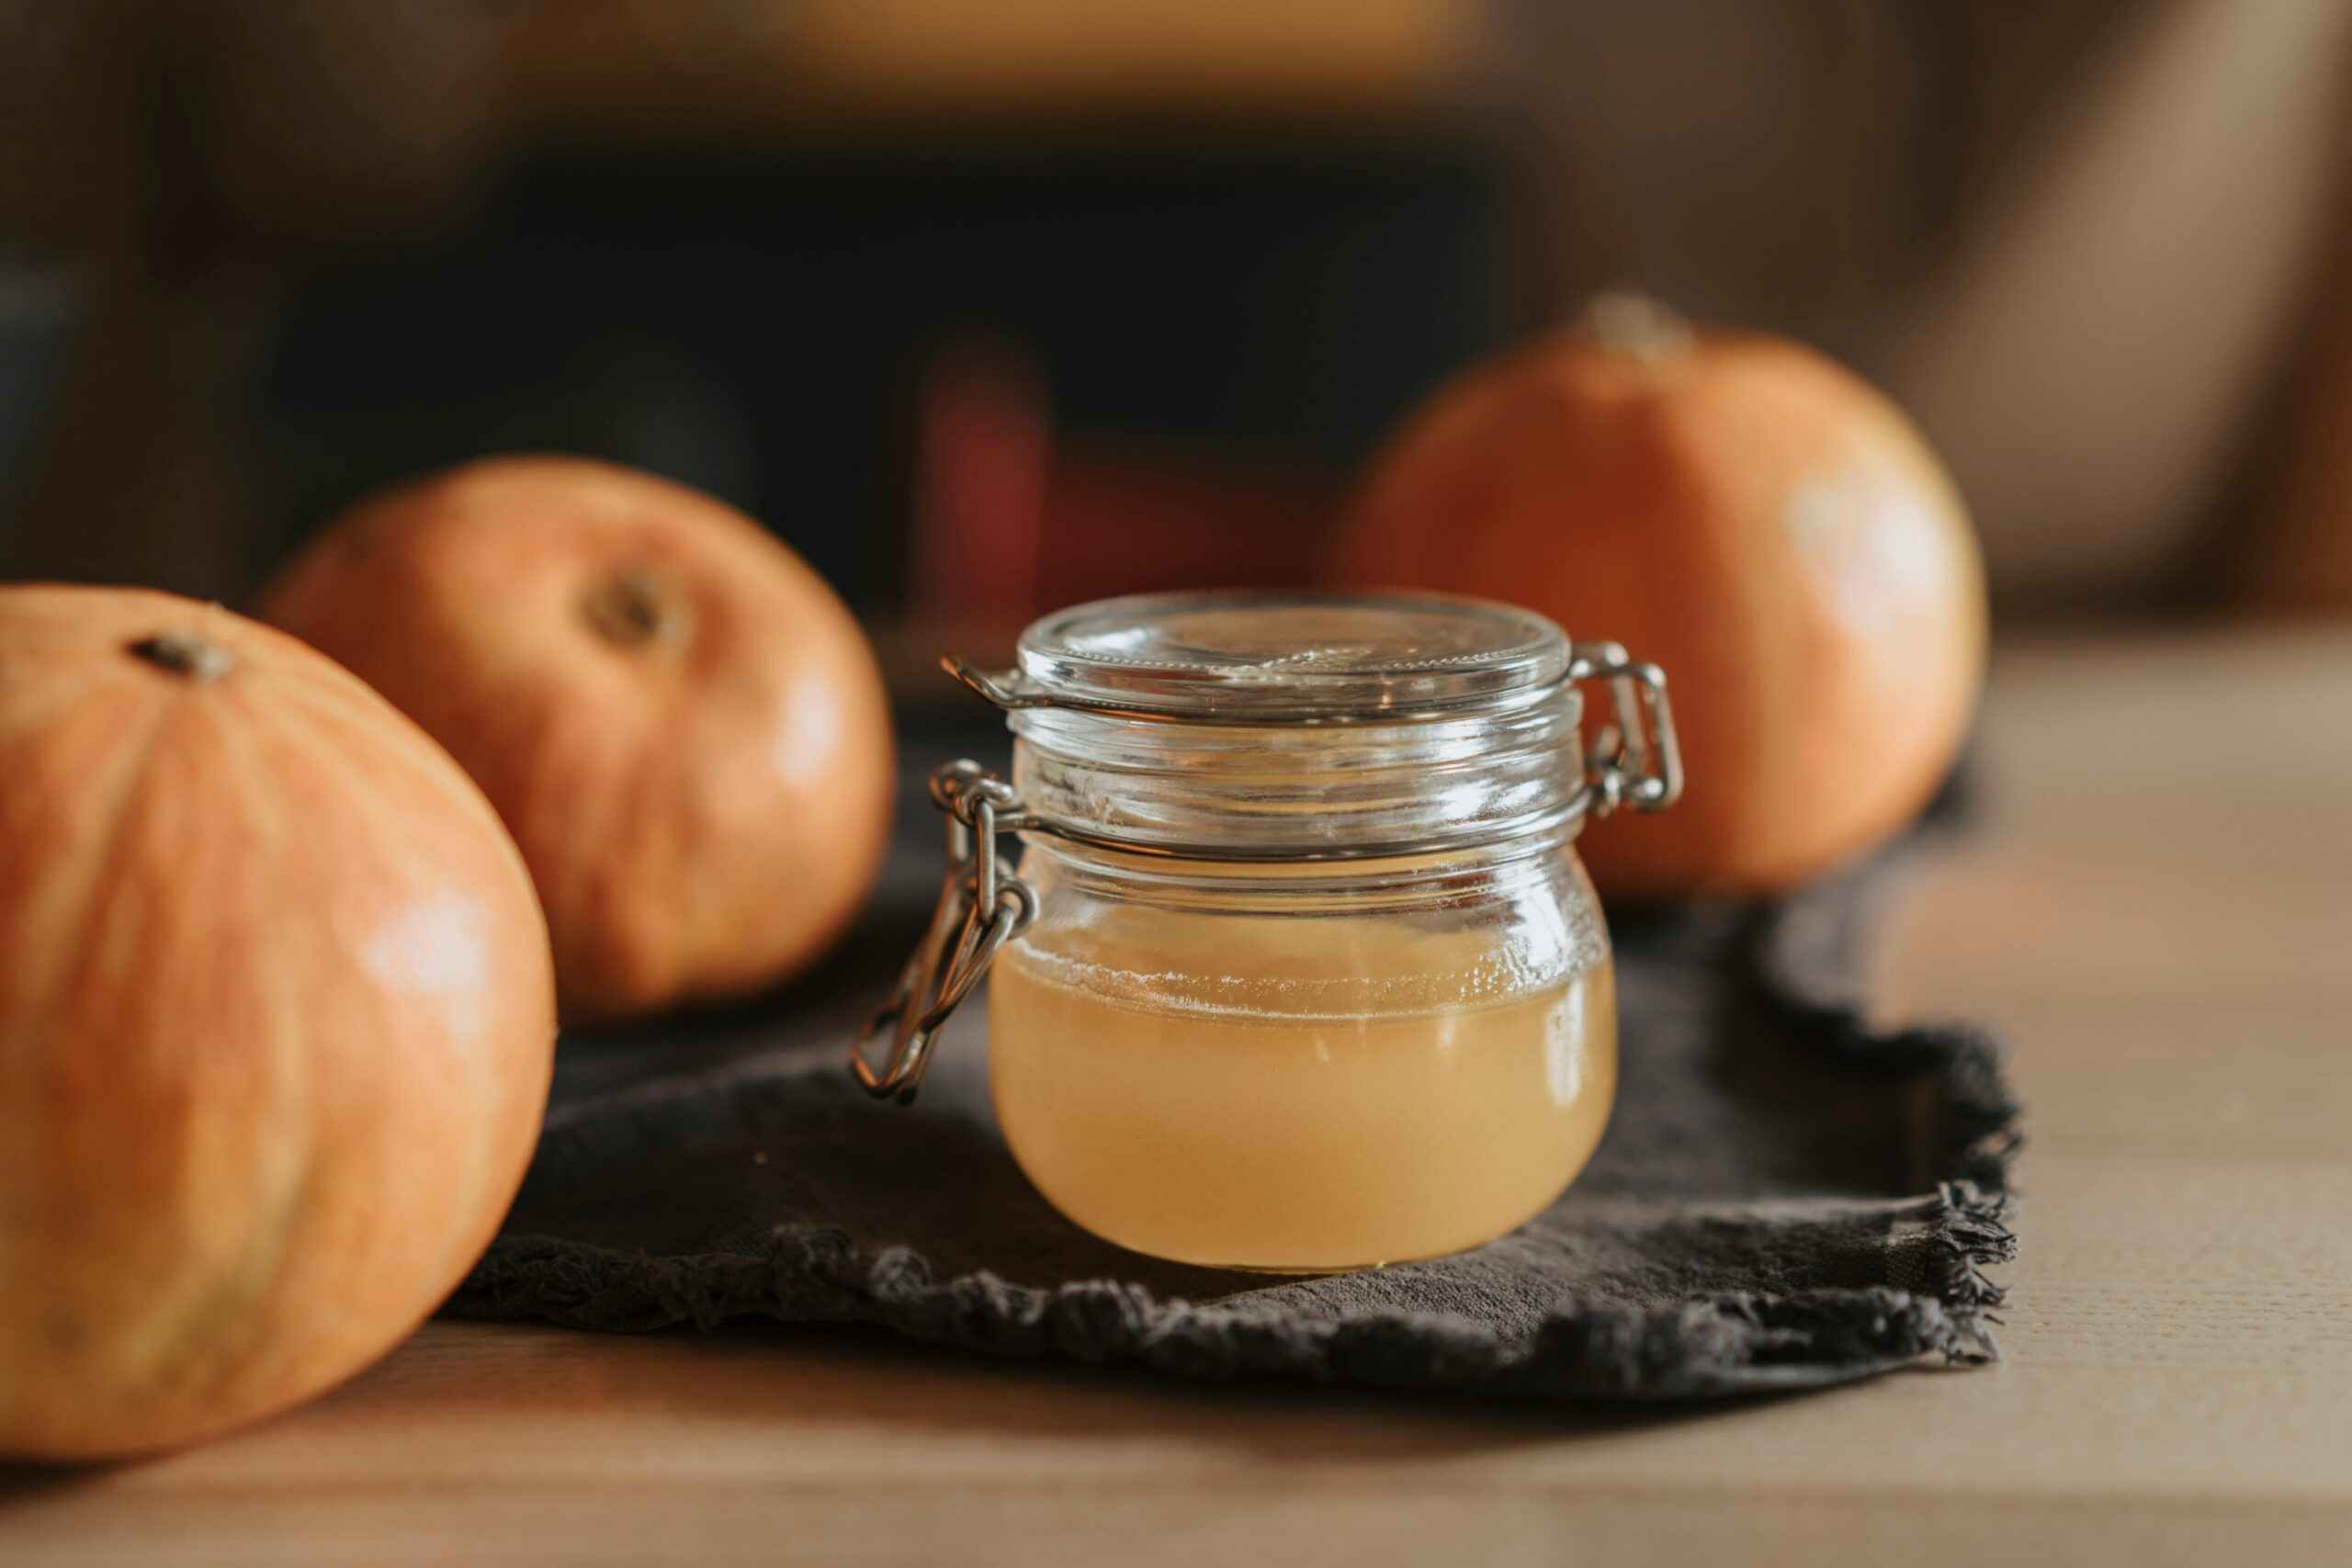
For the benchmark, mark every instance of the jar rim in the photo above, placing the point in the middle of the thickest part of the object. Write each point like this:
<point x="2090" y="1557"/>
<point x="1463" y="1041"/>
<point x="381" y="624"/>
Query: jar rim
<point x="1248" y="657"/>
<point x="1260" y="725"/>
<point x="1247" y="790"/>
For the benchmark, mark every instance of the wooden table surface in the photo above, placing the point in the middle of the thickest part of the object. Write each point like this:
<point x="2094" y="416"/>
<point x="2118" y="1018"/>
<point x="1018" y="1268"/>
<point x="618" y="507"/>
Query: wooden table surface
<point x="2155" y="911"/>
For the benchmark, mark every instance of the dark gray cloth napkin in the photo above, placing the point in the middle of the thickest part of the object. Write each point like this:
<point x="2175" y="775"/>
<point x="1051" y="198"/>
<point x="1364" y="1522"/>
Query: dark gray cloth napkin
<point x="1786" y="1198"/>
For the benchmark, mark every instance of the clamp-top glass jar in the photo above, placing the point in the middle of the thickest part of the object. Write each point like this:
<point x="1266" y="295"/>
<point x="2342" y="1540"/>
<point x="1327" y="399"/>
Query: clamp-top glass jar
<point x="1300" y="970"/>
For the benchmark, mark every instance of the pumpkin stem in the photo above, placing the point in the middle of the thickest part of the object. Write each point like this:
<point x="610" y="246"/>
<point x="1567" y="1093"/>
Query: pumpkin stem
<point x="1627" y="321"/>
<point x="185" y="653"/>
<point x="636" y="607"/>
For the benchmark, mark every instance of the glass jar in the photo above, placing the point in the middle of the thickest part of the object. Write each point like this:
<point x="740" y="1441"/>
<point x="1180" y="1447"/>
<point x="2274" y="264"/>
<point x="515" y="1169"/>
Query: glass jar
<point x="1299" y="971"/>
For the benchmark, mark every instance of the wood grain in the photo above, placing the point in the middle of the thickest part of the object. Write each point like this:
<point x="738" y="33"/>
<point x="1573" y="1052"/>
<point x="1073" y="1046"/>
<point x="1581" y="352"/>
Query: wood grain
<point x="2155" y="911"/>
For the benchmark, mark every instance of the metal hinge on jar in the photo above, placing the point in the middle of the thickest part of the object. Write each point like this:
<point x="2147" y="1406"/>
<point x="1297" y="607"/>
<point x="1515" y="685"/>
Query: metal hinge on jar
<point x="1634" y="761"/>
<point x="982" y="906"/>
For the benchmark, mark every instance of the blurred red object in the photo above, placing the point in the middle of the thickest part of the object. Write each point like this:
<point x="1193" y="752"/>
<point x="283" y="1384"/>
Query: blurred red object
<point x="1010" y="522"/>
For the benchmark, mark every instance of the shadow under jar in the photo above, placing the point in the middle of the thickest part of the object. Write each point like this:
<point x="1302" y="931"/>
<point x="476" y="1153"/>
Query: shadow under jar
<point x="1299" y="971"/>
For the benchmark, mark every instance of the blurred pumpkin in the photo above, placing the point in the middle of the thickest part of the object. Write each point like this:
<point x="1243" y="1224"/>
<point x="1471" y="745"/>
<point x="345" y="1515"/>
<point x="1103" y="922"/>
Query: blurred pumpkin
<point x="1737" y="509"/>
<point x="682" y="726"/>
<point x="276" y="1021"/>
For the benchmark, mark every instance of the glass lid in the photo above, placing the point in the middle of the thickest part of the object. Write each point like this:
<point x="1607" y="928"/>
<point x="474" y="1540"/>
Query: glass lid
<point x="1253" y="656"/>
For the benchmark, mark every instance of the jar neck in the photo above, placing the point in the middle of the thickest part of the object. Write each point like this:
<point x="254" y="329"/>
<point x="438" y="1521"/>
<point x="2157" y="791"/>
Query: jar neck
<point x="1453" y="878"/>
<point x="1243" y="794"/>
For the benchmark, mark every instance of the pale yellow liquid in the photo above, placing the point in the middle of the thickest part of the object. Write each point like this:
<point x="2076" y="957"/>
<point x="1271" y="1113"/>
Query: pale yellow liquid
<point x="1297" y="1094"/>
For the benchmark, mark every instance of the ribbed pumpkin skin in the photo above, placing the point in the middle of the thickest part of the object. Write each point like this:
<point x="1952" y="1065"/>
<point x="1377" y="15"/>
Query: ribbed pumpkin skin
<point x="703" y="807"/>
<point x="277" y="1023"/>
<point x="1743" y="512"/>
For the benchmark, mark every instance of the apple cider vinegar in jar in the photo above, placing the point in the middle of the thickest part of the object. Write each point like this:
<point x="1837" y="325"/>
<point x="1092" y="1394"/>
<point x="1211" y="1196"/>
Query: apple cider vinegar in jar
<point x="1299" y="970"/>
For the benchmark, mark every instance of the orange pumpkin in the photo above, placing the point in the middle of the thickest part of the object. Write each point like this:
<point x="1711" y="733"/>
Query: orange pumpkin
<point x="1739" y="510"/>
<point x="276" y="1021"/>
<point x="682" y="726"/>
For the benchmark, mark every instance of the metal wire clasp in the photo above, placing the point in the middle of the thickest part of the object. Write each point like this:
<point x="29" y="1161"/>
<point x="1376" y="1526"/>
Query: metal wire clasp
<point x="981" y="906"/>
<point x="1636" y="760"/>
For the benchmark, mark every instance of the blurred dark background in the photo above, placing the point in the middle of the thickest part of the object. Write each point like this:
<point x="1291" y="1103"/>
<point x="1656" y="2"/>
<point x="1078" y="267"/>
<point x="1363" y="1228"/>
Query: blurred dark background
<point x="988" y="307"/>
